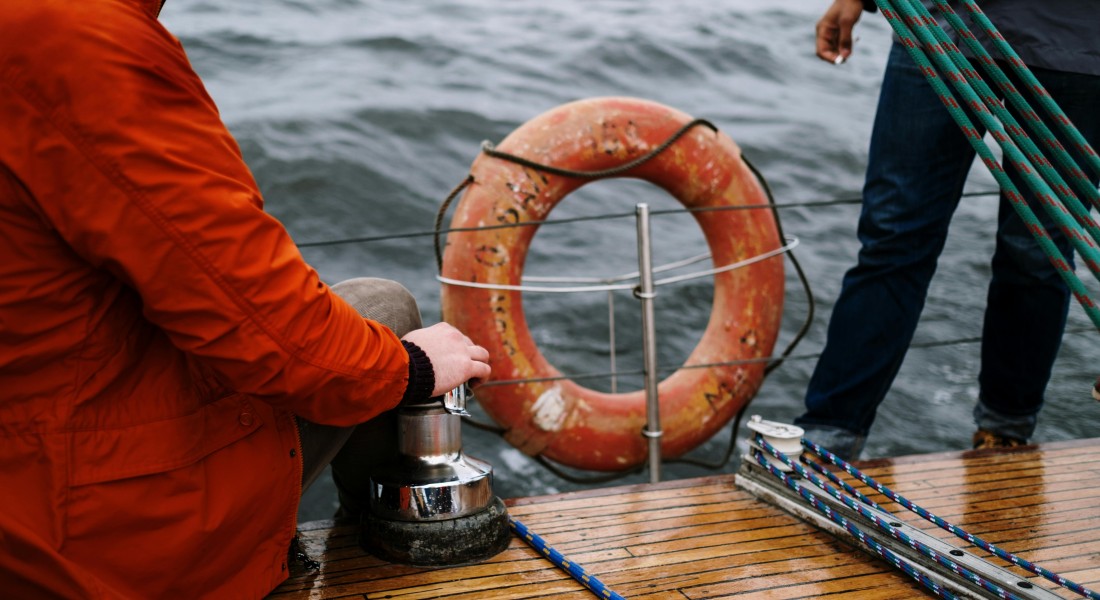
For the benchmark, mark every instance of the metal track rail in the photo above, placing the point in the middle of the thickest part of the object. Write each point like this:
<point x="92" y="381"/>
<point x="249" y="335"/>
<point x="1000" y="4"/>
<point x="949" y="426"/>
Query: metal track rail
<point x="756" y="480"/>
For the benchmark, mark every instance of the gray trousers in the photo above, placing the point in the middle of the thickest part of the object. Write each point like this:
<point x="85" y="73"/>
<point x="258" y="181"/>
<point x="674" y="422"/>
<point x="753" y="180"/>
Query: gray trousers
<point x="354" y="452"/>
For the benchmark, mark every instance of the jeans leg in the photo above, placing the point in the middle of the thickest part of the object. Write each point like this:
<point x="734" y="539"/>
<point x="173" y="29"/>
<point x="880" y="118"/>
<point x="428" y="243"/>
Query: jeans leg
<point x="918" y="163"/>
<point x="375" y="442"/>
<point x="319" y="444"/>
<point x="1028" y="301"/>
<point x="353" y="451"/>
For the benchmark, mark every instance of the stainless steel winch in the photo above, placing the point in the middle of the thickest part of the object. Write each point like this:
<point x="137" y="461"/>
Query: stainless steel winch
<point x="434" y="505"/>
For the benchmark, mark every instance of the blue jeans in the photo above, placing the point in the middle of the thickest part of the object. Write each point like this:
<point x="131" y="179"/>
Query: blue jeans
<point x="919" y="160"/>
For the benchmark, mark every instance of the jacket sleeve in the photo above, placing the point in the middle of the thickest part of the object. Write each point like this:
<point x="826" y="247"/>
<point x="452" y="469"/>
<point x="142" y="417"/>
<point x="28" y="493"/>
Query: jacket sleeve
<point x="129" y="161"/>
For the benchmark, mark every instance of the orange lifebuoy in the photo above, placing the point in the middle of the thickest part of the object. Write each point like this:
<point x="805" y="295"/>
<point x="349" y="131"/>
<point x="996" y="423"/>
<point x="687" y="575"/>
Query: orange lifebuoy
<point x="560" y="419"/>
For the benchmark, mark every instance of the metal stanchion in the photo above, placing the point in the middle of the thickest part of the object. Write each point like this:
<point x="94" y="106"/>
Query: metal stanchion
<point x="645" y="293"/>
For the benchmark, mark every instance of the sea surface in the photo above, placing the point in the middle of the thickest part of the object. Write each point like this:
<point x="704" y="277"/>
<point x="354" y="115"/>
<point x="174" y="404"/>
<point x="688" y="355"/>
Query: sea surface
<point x="358" y="118"/>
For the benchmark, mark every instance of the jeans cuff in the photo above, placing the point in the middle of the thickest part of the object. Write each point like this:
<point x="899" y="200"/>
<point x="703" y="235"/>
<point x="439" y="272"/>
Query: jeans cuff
<point x="841" y="442"/>
<point x="1020" y="427"/>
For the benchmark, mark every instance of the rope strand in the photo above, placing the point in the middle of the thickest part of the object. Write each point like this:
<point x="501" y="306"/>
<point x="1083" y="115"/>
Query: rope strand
<point x="1046" y="196"/>
<point x="938" y="521"/>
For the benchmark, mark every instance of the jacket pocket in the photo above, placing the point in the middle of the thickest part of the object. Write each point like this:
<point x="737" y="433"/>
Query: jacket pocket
<point x="97" y="456"/>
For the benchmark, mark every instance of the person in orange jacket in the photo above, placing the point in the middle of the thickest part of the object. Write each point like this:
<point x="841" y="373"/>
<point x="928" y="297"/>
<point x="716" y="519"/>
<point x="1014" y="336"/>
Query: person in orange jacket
<point x="162" y="341"/>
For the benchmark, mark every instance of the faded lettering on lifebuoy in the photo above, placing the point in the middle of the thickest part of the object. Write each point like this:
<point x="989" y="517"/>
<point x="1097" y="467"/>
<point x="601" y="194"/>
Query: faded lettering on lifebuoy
<point x="509" y="215"/>
<point x="490" y="256"/>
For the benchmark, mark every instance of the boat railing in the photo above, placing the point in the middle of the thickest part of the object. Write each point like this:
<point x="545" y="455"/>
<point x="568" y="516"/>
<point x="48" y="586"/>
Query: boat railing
<point x="632" y="281"/>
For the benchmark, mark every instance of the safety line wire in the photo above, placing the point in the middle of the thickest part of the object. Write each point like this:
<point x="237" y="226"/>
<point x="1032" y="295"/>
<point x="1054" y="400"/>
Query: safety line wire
<point x="745" y="361"/>
<point x="938" y="521"/>
<point x="1085" y="246"/>
<point x="878" y="522"/>
<point x="603" y="217"/>
<point x="559" y="560"/>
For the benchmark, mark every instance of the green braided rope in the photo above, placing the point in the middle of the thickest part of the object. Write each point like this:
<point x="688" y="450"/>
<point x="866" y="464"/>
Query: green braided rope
<point x="1043" y="192"/>
<point x="1068" y="164"/>
<point x="1028" y="78"/>
<point x="1090" y="253"/>
<point x="1080" y="211"/>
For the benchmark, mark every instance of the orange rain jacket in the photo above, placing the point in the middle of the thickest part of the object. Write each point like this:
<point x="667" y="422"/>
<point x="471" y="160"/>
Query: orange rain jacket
<point x="157" y="328"/>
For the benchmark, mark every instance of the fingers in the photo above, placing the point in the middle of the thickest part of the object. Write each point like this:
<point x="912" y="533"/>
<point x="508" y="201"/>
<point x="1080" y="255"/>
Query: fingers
<point x="833" y="39"/>
<point x="479" y="354"/>
<point x="476" y="353"/>
<point x="480" y="371"/>
<point x="827" y="40"/>
<point x="479" y="358"/>
<point x="844" y="44"/>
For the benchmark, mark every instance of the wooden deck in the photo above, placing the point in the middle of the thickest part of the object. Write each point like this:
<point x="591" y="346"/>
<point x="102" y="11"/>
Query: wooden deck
<point x="707" y="538"/>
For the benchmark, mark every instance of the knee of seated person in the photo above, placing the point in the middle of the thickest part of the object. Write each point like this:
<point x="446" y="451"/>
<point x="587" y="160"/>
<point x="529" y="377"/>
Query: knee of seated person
<point x="382" y="300"/>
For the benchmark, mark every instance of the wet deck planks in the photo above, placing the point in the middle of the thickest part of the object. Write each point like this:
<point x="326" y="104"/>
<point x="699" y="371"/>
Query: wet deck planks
<point x="706" y="538"/>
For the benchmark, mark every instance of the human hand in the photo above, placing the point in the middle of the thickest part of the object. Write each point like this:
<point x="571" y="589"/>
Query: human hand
<point x="455" y="358"/>
<point x="834" y="30"/>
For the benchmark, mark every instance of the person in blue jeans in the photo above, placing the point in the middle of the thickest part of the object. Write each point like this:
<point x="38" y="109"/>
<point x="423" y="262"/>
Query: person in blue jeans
<point x="917" y="166"/>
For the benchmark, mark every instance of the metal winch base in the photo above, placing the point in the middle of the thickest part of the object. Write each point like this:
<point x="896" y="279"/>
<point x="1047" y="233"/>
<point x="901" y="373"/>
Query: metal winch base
<point x="451" y="542"/>
<point x="434" y="506"/>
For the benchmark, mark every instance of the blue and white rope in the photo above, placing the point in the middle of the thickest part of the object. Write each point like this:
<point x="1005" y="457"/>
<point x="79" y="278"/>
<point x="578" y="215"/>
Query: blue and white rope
<point x="940" y="522"/>
<point x="577" y="571"/>
<point x="956" y="568"/>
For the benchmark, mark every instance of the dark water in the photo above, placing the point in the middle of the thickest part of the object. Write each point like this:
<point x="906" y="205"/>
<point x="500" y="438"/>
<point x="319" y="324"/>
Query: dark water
<point x="359" y="117"/>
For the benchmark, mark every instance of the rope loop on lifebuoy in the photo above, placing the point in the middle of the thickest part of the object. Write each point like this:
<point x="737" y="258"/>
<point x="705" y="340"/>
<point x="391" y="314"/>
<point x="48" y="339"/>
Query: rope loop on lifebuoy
<point x="518" y="183"/>
<point x="488" y="148"/>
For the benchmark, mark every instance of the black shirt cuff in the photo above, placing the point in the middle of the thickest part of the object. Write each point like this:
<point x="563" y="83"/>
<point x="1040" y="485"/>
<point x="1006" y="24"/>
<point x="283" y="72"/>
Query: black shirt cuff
<point x="421" y="375"/>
